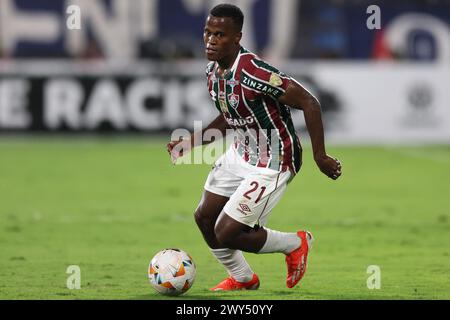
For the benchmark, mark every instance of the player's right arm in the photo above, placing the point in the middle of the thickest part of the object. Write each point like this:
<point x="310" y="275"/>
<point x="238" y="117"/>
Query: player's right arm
<point x="177" y="148"/>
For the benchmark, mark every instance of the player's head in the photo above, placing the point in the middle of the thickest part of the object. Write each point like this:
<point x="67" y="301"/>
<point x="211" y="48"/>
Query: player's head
<point x="223" y="31"/>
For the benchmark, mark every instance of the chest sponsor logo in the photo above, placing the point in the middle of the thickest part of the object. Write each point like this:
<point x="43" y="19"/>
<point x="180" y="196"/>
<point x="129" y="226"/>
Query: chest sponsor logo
<point x="240" y="122"/>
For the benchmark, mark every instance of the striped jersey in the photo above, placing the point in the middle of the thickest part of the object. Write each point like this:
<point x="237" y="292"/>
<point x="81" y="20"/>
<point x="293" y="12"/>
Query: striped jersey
<point x="247" y="96"/>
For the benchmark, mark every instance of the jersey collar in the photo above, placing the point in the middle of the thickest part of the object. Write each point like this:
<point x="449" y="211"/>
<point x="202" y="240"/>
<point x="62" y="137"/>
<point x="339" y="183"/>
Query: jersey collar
<point x="230" y="72"/>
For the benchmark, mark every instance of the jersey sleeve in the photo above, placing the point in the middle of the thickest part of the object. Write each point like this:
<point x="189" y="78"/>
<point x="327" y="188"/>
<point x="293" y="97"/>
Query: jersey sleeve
<point x="264" y="79"/>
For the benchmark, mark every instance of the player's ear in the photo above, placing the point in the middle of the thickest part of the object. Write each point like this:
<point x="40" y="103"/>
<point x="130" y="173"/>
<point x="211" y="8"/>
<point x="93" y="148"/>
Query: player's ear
<point x="238" y="37"/>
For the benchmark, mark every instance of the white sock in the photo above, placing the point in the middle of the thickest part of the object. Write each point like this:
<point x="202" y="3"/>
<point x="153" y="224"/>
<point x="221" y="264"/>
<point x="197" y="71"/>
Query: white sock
<point x="280" y="242"/>
<point x="235" y="263"/>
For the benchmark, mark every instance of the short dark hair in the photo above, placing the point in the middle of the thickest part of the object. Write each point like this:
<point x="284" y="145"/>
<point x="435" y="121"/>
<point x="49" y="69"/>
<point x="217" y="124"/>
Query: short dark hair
<point x="229" y="11"/>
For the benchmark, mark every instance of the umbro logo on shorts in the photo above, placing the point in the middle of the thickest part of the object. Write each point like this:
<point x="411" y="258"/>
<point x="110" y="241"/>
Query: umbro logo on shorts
<point x="244" y="209"/>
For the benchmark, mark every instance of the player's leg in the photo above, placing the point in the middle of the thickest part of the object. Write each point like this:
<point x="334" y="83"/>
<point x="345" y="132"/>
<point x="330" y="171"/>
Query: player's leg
<point x="295" y="246"/>
<point x="222" y="182"/>
<point x="206" y="214"/>
<point x="248" y="207"/>
<point x="238" y="235"/>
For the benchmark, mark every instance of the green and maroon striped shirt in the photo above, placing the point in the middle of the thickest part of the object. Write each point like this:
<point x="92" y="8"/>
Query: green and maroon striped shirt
<point x="247" y="96"/>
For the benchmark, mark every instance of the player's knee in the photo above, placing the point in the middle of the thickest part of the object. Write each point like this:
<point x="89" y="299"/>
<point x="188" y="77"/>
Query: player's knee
<point x="223" y="236"/>
<point x="201" y="218"/>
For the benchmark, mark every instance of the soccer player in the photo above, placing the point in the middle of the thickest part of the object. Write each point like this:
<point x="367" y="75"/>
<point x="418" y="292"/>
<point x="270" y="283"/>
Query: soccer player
<point x="246" y="182"/>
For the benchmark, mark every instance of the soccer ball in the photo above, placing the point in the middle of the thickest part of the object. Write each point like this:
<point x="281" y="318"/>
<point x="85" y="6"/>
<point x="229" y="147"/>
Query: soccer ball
<point x="171" y="272"/>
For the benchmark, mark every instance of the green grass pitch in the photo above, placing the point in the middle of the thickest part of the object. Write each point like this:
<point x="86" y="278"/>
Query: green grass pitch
<point x="108" y="205"/>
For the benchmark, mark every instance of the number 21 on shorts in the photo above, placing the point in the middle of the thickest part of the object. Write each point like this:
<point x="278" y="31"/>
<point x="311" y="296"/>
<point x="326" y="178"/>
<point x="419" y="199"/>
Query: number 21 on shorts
<point x="255" y="187"/>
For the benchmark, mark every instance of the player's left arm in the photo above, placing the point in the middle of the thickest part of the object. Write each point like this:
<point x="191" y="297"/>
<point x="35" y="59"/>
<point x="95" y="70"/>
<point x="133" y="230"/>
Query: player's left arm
<point x="297" y="97"/>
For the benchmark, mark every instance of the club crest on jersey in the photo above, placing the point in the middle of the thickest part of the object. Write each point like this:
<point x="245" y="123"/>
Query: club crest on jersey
<point x="233" y="100"/>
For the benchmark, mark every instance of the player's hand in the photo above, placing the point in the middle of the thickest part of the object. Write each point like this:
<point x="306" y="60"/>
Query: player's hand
<point x="178" y="148"/>
<point x="330" y="166"/>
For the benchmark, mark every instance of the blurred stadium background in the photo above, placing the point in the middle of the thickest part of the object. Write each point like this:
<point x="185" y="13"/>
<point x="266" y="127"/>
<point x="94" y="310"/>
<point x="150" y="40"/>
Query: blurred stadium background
<point x="136" y="68"/>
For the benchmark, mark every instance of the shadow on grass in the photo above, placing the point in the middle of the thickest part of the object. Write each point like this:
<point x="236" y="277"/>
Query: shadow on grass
<point x="236" y="295"/>
<point x="177" y="298"/>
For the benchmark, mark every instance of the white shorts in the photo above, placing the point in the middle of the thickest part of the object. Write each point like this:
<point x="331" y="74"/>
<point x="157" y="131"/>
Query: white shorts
<point x="253" y="191"/>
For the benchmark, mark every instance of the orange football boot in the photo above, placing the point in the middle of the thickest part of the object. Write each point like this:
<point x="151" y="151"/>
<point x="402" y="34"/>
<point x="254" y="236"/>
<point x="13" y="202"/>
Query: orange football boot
<point x="297" y="259"/>
<point x="230" y="284"/>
